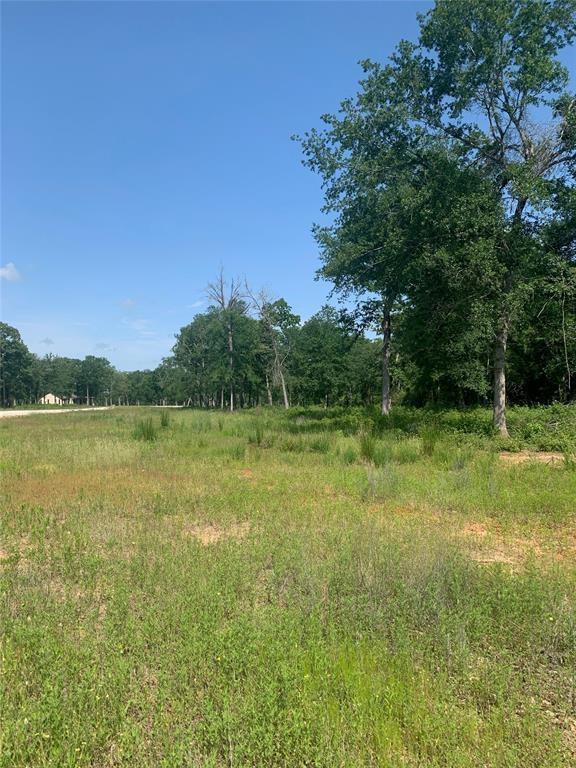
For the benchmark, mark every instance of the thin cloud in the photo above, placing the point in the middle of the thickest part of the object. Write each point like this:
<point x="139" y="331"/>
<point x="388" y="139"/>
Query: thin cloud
<point x="196" y="304"/>
<point x="102" y="346"/>
<point x="139" y="324"/>
<point x="47" y="341"/>
<point x="128" y="303"/>
<point x="10" y="273"/>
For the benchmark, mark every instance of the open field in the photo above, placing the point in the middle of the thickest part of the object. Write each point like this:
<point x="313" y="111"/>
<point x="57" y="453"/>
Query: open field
<point x="314" y="588"/>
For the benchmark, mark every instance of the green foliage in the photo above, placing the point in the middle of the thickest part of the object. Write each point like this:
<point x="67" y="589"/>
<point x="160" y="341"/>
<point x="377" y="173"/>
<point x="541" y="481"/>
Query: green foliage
<point x="15" y="366"/>
<point x="450" y="204"/>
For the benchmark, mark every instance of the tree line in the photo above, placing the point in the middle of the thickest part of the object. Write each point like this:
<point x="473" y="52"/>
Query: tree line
<point x="449" y="183"/>
<point x="249" y="352"/>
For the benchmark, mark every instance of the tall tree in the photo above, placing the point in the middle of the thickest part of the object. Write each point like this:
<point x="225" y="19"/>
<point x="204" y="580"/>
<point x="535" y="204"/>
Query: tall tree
<point x="483" y="83"/>
<point x="95" y="379"/>
<point x="278" y="321"/>
<point x="229" y="301"/>
<point x="486" y="75"/>
<point x="15" y="362"/>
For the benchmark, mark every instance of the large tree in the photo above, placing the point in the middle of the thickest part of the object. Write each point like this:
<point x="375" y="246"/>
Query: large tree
<point x="277" y="323"/>
<point x="15" y="364"/>
<point x="484" y="82"/>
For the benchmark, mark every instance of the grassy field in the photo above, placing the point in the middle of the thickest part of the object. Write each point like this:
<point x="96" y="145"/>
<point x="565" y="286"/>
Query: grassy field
<point x="317" y="588"/>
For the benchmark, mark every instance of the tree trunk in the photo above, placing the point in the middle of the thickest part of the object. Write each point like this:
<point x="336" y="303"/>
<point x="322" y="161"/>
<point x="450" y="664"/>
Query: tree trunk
<point x="284" y="390"/>
<point x="499" y="409"/>
<point x="386" y="364"/>
<point x="231" y="364"/>
<point x="268" y="390"/>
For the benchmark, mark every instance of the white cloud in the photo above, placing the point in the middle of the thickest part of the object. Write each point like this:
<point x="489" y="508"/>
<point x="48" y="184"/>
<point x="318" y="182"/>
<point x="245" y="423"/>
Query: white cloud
<point x="196" y="304"/>
<point x="10" y="273"/>
<point x="128" y="303"/>
<point x="47" y="341"/>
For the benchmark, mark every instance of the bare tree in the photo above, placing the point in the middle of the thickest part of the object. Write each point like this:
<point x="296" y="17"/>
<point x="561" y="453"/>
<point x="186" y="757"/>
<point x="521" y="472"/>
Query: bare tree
<point x="227" y="299"/>
<point x="264" y="307"/>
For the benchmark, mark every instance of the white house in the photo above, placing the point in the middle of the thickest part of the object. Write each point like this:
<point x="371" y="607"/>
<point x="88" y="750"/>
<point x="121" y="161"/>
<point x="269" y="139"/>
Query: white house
<point x="51" y="399"/>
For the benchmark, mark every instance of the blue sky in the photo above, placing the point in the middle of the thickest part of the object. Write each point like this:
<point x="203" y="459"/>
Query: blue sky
<point x="147" y="143"/>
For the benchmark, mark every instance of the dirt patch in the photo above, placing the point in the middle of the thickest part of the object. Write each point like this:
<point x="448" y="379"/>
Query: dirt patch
<point x="520" y="457"/>
<point x="490" y="546"/>
<point x="489" y="556"/>
<point x="9" y="414"/>
<point x="569" y="732"/>
<point x="208" y="534"/>
<point x="476" y="530"/>
<point x="19" y="554"/>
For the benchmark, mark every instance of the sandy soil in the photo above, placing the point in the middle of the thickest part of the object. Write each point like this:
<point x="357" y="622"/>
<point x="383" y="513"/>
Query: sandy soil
<point x="9" y="414"/>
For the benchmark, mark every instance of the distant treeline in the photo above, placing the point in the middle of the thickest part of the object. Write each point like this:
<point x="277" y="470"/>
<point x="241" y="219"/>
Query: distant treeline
<point x="247" y="350"/>
<point x="320" y="361"/>
<point x="449" y="179"/>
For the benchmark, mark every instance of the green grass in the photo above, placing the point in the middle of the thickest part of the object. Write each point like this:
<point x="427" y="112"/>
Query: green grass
<point x="311" y="588"/>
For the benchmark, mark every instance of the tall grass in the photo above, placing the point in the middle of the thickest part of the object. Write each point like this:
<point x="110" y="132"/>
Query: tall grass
<point x="430" y="436"/>
<point x="145" y="430"/>
<point x="367" y="445"/>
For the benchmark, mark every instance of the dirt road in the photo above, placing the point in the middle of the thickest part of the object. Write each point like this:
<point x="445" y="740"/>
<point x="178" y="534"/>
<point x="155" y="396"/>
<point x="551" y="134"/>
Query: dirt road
<point x="9" y="414"/>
